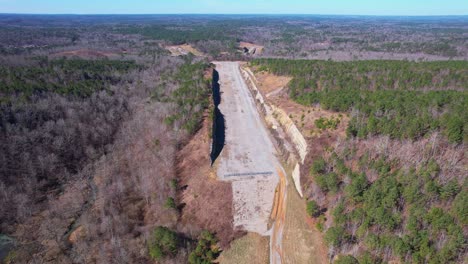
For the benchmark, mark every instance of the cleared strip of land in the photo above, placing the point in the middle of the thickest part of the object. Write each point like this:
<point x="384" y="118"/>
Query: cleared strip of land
<point x="247" y="157"/>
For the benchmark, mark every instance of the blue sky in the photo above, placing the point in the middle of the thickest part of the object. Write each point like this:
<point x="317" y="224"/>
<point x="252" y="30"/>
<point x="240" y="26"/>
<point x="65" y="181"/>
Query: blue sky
<point x="349" y="7"/>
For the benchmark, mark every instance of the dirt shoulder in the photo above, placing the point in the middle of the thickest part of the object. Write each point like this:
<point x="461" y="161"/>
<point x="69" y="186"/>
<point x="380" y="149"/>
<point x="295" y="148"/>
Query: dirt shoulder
<point x="302" y="242"/>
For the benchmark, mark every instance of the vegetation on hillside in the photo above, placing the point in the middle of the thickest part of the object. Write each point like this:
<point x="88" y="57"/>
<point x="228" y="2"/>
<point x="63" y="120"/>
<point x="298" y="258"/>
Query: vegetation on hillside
<point x="206" y="250"/>
<point x="88" y="143"/>
<point x="409" y="214"/>
<point x="181" y="34"/>
<point x="192" y="96"/>
<point x="405" y="100"/>
<point x="165" y="243"/>
<point x="65" y="123"/>
<point x="435" y="48"/>
<point x="76" y="77"/>
<point x="389" y="208"/>
<point x="321" y="37"/>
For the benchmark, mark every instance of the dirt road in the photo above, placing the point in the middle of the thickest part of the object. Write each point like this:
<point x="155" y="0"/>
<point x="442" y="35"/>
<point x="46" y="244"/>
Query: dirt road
<point x="249" y="160"/>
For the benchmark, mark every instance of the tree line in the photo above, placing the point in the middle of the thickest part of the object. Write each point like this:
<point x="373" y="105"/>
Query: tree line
<point x="75" y="77"/>
<point x="402" y="99"/>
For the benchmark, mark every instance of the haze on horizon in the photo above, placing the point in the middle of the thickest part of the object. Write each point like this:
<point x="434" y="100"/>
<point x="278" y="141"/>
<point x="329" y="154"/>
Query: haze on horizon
<point x="320" y="7"/>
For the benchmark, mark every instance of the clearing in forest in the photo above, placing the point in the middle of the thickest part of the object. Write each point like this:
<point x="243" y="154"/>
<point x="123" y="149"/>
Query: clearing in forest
<point x="251" y="48"/>
<point x="184" y="49"/>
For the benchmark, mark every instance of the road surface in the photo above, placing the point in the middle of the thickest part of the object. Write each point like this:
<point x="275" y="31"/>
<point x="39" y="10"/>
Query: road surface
<point x="249" y="160"/>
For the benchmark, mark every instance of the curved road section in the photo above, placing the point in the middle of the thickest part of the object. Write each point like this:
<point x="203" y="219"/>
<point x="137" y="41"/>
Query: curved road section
<point x="248" y="160"/>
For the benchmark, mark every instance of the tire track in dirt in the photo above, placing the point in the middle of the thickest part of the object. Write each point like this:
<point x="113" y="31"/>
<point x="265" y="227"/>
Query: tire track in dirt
<point x="279" y="216"/>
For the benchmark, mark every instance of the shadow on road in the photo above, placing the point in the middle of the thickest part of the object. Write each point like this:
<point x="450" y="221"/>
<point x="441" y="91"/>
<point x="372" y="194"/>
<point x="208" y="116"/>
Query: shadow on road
<point x="219" y="126"/>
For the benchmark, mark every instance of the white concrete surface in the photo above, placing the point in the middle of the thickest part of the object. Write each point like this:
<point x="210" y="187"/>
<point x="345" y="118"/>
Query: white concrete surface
<point x="248" y="159"/>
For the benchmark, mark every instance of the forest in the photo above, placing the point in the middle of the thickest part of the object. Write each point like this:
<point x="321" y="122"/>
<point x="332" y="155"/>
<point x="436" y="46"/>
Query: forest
<point x="95" y="113"/>
<point x="293" y="36"/>
<point x="389" y="192"/>
<point x="63" y="76"/>
<point x="405" y="100"/>
<point x="64" y="123"/>
<point x="409" y="214"/>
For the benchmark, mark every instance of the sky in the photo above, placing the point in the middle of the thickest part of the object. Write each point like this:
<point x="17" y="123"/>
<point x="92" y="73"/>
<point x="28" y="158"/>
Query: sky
<point x="328" y="7"/>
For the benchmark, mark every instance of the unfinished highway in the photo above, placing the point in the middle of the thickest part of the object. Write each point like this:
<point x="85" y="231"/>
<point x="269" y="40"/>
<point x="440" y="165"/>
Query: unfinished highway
<point x="249" y="160"/>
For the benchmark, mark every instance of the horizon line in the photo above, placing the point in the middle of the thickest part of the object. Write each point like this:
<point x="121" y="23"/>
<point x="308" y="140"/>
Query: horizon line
<point x="227" y="14"/>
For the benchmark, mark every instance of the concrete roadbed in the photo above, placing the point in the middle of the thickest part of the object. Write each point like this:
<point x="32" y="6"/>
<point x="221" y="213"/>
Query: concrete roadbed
<point x="248" y="159"/>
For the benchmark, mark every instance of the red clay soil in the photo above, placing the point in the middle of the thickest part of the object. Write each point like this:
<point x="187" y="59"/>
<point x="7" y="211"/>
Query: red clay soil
<point x="207" y="202"/>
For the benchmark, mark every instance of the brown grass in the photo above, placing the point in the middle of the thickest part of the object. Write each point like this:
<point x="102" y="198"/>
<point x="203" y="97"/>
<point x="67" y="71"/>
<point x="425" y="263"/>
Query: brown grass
<point x="207" y="202"/>
<point x="268" y="82"/>
<point x="302" y="242"/>
<point x="274" y="88"/>
<point x="251" y="248"/>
